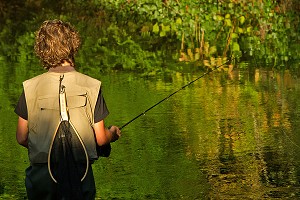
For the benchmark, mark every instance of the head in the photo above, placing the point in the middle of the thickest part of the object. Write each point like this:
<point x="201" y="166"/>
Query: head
<point x="56" y="42"/>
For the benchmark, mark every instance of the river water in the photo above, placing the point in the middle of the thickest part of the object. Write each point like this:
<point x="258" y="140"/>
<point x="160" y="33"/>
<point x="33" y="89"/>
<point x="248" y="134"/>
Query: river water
<point x="226" y="136"/>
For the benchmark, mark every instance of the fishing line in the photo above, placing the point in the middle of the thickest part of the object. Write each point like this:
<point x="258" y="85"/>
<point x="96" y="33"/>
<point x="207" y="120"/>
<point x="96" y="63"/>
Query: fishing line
<point x="291" y="141"/>
<point x="167" y="97"/>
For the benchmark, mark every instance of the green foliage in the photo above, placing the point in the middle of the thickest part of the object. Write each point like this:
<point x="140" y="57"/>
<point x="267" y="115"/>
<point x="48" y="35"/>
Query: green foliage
<point x="142" y="35"/>
<point x="227" y="27"/>
<point x="25" y="47"/>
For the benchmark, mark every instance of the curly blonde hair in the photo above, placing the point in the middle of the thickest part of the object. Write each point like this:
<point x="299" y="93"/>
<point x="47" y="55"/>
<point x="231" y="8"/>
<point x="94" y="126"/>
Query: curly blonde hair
<point x="56" y="41"/>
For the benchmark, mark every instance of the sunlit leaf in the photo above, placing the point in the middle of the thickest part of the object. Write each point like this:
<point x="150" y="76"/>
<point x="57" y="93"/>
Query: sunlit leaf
<point x="206" y="63"/>
<point x="197" y="56"/>
<point x="162" y="33"/>
<point x="155" y="28"/>
<point x="212" y="61"/>
<point x="240" y="30"/>
<point x="242" y="19"/>
<point x="235" y="46"/>
<point x="220" y="18"/>
<point x="178" y="20"/>
<point x="173" y="27"/>
<point x="165" y="28"/>
<point x="249" y="29"/>
<point x="190" y="53"/>
<point x="234" y="35"/>
<point x="212" y="50"/>
<point x="206" y="48"/>
<point x="228" y="22"/>
<point x="219" y="61"/>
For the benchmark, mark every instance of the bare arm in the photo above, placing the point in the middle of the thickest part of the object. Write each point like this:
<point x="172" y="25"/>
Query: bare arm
<point x="22" y="132"/>
<point x="104" y="135"/>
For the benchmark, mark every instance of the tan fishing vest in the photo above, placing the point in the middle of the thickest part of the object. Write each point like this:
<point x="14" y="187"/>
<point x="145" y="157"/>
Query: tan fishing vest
<point x="42" y="99"/>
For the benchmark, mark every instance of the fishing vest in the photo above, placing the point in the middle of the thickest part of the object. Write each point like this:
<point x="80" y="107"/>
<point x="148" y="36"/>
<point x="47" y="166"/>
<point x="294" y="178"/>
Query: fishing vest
<point x="42" y="99"/>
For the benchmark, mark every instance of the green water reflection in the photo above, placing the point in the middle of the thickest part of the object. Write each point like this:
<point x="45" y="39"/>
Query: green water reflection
<point x="227" y="136"/>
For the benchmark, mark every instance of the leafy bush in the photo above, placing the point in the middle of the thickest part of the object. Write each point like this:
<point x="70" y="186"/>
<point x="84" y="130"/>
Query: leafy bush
<point x="149" y="35"/>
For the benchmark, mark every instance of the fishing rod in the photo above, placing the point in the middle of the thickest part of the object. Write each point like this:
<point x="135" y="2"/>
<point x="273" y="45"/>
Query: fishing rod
<point x="167" y="97"/>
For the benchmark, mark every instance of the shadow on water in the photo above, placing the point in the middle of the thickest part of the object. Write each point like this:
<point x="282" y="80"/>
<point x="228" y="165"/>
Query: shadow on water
<point x="227" y="136"/>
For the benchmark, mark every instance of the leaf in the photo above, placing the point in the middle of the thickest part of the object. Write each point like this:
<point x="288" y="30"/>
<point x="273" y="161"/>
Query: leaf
<point x="219" y="61"/>
<point x="165" y="28"/>
<point x="145" y="29"/>
<point x="212" y="61"/>
<point x="212" y="50"/>
<point x="220" y="18"/>
<point x="228" y="22"/>
<point x="235" y="46"/>
<point x="206" y="63"/>
<point x="206" y="48"/>
<point x="155" y="28"/>
<point x="173" y="27"/>
<point x="197" y="54"/>
<point x="240" y="30"/>
<point x="190" y="53"/>
<point x="242" y="19"/>
<point x="234" y="35"/>
<point x="178" y="20"/>
<point x="249" y="29"/>
<point x="162" y="34"/>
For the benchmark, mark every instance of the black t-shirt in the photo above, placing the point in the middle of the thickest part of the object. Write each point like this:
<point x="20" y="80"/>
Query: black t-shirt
<point x="100" y="112"/>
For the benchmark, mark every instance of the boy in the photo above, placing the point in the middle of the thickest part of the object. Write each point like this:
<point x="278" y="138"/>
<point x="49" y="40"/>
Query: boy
<point x="40" y="112"/>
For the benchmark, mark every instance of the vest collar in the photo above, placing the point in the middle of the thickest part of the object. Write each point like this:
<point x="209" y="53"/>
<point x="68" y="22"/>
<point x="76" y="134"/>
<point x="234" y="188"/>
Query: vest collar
<point x="62" y="69"/>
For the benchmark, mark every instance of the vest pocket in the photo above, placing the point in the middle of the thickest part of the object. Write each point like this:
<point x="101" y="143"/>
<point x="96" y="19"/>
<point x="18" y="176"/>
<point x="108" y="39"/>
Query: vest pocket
<point x="74" y="100"/>
<point x="48" y="103"/>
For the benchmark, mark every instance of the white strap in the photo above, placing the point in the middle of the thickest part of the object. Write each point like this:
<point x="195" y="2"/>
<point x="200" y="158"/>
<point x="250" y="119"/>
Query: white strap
<point x="63" y="107"/>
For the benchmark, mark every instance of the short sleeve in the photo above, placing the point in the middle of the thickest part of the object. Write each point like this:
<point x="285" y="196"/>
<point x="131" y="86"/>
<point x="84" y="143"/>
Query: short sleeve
<point x="21" y="108"/>
<point x="101" y="110"/>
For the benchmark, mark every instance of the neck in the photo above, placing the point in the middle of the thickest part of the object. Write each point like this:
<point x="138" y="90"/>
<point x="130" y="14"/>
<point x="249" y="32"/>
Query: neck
<point x="66" y="63"/>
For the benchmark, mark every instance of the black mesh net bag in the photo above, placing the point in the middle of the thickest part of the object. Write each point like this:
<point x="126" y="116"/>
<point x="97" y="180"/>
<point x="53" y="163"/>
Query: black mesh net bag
<point x="68" y="161"/>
